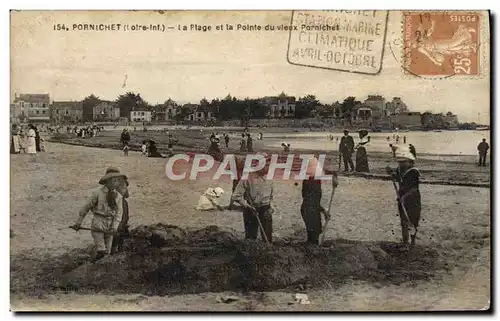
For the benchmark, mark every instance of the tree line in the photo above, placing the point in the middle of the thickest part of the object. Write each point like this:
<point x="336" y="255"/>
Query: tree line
<point x="229" y="108"/>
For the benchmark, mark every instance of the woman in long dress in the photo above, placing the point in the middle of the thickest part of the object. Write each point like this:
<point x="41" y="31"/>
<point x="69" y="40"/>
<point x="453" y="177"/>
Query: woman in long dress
<point x="31" y="140"/>
<point x="361" y="155"/>
<point x="15" y="144"/>
<point x="243" y="144"/>
<point x="37" y="140"/>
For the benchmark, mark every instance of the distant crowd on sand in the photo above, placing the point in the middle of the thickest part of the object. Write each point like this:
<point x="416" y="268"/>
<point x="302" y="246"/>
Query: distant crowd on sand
<point x="85" y="132"/>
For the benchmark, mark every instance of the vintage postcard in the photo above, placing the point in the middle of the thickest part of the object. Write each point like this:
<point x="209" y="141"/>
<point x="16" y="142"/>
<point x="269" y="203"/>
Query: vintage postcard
<point x="329" y="160"/>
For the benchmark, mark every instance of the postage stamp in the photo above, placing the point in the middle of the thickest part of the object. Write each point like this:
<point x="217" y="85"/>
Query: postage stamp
<point x="444" y="43"/>
<point x="343" y="40"/>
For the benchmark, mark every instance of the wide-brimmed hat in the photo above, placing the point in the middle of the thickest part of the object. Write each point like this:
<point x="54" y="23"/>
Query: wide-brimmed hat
<point x="403" y="153"/>
<point x="110" y="173"/>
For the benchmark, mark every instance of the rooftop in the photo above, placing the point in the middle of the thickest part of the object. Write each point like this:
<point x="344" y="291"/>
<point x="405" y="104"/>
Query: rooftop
<point x="67" y="104"/>
<point x="33" y="98"/>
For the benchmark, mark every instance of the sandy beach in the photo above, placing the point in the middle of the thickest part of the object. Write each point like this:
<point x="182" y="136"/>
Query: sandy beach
<point x="48" y="189"/>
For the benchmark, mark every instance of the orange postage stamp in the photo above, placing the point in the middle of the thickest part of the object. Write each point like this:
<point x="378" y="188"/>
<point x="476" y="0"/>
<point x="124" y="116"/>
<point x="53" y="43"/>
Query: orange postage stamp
<point x="441" y="44"/>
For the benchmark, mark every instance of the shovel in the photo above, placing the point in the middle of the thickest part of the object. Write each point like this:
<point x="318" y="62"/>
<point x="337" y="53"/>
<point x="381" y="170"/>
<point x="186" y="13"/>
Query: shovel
<point x="327" y="218"/>
<point x="413" y="230"/>
<point x="87" y="229"/>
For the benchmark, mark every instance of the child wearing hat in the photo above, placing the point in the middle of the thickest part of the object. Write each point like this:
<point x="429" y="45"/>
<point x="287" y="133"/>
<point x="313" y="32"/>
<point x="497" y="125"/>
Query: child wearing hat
<point x="107" y="206"/>
<point x="408" y="178"/>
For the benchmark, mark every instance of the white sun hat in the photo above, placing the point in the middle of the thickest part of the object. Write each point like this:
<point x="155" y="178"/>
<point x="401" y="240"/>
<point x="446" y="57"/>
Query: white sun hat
<point x="404" y="153"/>
<point x="218" y="191"/>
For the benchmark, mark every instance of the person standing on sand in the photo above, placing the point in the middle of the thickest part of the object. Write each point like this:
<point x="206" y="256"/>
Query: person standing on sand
<point x="125" y="137"/>
<point x="243" y="144"/>
<point x="311" y="207"/>
<point x="361" y="155"/>
<point x="170" y="144"/>
<point x="393" y="149"/>
<point x="226" y="140"/>
<point x="249" y="143"/>
<point x="31" y="140"/>
<point x="408" y="178"/>
<point x="15" y="143"/>
<point x="483" y="148"/>
<point x="107" y="206"/>
<point x="346" y="148"/>
<point x="122" y="231"/>
<point x="255" y="196"/>
<point x="144" y="148"/>
<point x="37" y="140"/>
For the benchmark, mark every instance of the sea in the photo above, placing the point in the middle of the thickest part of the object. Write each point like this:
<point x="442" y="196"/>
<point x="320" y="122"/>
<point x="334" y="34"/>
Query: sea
<point x="446" y="142"/>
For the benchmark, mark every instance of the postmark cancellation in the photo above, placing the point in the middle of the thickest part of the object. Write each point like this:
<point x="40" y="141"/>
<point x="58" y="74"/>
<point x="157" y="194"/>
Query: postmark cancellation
<point x="342" y="40"/>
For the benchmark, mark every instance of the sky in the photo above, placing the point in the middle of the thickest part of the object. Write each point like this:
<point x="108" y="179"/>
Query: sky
<point x="189" y="65"/>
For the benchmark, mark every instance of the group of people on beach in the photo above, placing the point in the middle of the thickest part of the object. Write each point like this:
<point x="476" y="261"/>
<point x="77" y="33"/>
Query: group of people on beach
<point x="148" y="146"/>
<point x="29" y="142"/>
<point x="254" y="195"/>
<point x="83" y="132"/>
<point x="347" y="148"/>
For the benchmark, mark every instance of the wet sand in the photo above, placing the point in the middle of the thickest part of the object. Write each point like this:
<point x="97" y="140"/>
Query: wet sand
<point x="48" y="189"/>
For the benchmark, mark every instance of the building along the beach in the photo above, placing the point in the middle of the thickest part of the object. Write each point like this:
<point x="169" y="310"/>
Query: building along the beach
<point x="32" y="108"/>
<point x="199" y="115"/>
<point x="106" y="111"/>
<point x="140" y="115"/>
<point x="395" y="107"/>
<point x="66" y="112"/>
<point x="439" y="121"/>
<point x="168" y="112"/>
<point x="375" y="102"/>
<point x="281" y="106"/>
<point x="407" y="120"/>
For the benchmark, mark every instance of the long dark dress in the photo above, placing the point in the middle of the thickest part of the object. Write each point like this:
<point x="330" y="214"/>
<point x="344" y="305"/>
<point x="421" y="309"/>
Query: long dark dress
<point x="362" y="160"/>
<point x="407" y="181"/>
<point x="37" y="140"/>
<point x="311" y="209"/>
<point x="249" y="144"/>
<point x="243" y="145"/>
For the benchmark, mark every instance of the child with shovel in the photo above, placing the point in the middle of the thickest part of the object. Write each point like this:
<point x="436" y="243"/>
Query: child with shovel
<point x="408" y="194"/>
<point x="311" y="208"/>
<point x="255" y="196"/>
<point x="107" y="206"/>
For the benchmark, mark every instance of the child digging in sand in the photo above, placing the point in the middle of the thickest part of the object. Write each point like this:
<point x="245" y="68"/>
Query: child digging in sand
<point x="107" y="206"/>
<point x="408" y="178"/>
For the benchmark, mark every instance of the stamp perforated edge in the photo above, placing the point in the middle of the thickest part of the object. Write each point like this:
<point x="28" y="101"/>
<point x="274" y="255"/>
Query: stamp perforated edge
<point x="483" y="41"/>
